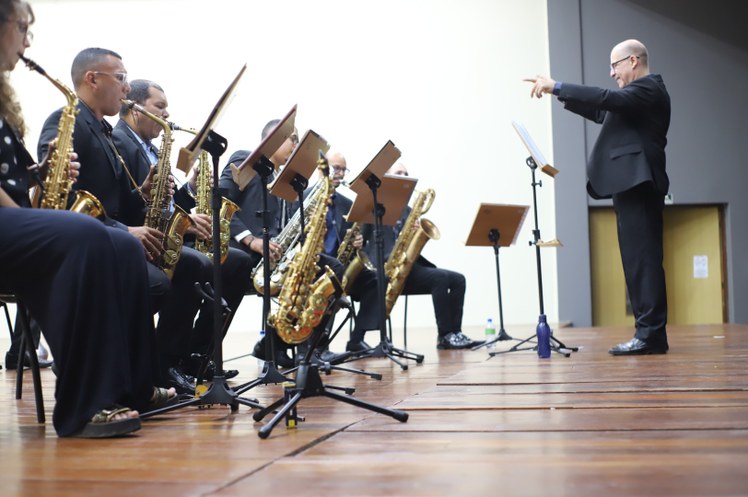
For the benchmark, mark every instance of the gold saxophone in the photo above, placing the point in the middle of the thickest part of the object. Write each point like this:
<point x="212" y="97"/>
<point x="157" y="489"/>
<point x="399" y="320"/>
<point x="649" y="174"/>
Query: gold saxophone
<point x="304" y="300"/>
<point x="159" y="215"/>
<point x="415" y="233"/>
<point x="288" y="240"/>
<point x="57" y="184"/>
<point x="354" y="260"/>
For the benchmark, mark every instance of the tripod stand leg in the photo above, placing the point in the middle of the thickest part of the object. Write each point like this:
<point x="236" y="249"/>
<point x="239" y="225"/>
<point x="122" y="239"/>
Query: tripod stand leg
<point x="264" y="432"/>
<point x="401" y="416"/>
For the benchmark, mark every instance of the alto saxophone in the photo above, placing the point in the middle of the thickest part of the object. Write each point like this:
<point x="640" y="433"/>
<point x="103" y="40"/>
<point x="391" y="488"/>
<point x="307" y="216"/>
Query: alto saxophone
<point x="203" y="199"/>
<point x="303" y="300"/>
<point x="159" y="215"/>
<point x="288" y="240"/>
<point x="354" y="260"/>
<point x="57" y="184"/>
<point x="415" y="233"/>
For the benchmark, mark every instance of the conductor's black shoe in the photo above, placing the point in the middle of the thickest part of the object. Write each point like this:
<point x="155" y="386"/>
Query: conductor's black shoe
<point x="182" y="383"/>
<point x="455" y="340"/>
<point x="636" y="346"/>
<point x="357" y="346"/>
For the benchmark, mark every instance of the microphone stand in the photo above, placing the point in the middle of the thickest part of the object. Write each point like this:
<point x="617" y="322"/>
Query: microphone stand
<point x="556" y="345"/>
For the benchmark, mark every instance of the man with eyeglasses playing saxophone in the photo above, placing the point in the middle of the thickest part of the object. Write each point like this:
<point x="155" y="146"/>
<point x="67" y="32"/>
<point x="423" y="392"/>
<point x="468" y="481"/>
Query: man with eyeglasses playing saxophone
<point x="100" y="82"/>
<point x="133" y="135"/>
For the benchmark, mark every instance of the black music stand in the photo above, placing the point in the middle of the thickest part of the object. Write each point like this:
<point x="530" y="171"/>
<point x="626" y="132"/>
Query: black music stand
<point x="536" y="160"/>
<point x="394" y="191"/>
<point x="219" y="392"/>
<point x="308" y="382"/>
<point x="497" y="225"/>
<point x="258" y="162"/>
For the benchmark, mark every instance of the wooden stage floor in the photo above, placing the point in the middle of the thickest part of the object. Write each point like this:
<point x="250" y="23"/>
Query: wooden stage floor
<point x="511" y="425"/>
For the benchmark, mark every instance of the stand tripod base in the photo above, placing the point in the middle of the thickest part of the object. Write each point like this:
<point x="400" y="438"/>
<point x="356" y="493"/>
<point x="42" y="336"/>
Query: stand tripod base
<point x="556" y="346"/>
<point x="219" y="392"/>
<point x="500" y="337"/>
<point x="309" y="384"/>
<point x="386" y="349"/>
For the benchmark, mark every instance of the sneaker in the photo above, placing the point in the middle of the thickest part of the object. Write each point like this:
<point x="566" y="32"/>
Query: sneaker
<point x="454" y="340"/>
<point x="473" y="343"/>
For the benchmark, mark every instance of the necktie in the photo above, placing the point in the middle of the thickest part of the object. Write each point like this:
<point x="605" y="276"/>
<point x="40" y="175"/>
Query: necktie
<point x="331" y="237"/>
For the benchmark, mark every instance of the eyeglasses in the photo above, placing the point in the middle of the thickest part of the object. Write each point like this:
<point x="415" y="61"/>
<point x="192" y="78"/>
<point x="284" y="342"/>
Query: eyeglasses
<point x="294" y="138"/>
<point x="613" y="65"/>
<point x="23" y="28"/>
<point x="340" y="170"/>
<point x="120" y="77"/>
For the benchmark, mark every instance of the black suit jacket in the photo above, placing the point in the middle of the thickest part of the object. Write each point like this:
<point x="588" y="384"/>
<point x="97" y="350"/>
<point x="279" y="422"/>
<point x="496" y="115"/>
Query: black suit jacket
<point x="630" y="149"/>
<point x="139" y="163"/>
<point x="249" y="200"/>
<point x="101" y="171"/>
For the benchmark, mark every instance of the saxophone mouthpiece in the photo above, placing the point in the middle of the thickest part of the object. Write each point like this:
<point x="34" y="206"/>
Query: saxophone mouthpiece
<point x="33" y="66"/>
<point x="176" y="127"/>
<point x="128" y="103"/>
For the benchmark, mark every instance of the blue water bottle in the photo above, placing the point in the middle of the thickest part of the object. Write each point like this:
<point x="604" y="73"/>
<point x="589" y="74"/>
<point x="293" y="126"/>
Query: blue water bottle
<point x="543" y="334"/>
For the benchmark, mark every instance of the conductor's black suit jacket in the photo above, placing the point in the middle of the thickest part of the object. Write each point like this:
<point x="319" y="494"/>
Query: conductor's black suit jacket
<point x="630" y="149"/>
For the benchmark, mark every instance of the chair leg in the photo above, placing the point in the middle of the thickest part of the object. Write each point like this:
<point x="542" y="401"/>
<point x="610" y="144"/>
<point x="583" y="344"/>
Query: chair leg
<point x="7" y="319"/>
<point x="27" y="350"/>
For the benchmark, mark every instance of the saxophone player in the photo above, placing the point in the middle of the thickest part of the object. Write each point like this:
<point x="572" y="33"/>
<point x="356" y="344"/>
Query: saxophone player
<point x="49" y="258"/>
<point x="447" y="288"/>
<point x="133" y="135"/>
<point x="100" y="82"/>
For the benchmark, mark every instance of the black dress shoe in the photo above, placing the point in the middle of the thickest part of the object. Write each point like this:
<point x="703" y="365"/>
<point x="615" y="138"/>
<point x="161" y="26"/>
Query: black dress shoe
<point x="638" y="347"/>
<point x="11" y="361"/>
<point x="357" y="346"/>
<point x="281" y="358"/>
<point x="182" y="383"/>
<point x="455" y="340"/>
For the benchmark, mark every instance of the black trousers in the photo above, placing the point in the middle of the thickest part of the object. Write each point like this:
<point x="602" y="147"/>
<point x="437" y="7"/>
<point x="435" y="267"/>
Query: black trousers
<point x="447" y="289"/>
<point x="639" y="221"/>
<point x="86" y="285"/>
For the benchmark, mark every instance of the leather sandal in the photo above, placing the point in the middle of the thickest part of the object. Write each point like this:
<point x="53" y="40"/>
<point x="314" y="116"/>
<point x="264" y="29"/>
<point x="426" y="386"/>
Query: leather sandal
<point x="103" y="424"/>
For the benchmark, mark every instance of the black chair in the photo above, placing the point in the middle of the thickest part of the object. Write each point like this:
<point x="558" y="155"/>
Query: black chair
<point x="27" y="345"/>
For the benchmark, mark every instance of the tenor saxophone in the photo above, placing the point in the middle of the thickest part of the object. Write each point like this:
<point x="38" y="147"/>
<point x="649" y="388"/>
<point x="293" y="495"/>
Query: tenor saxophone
<point x="159" y="215"/>
<point x="57" y="184"/>
<point x="416" y="231"/>
<point x="203" y="199"/>
<point x="288" y="240"/>
<point x="303" y="300"/>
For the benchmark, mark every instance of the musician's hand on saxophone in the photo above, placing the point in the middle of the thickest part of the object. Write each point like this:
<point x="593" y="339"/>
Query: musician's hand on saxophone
<point x="39" y="171"/>
<point x="150" y="180"/>
<point x="203" y="227"/>
<point x="256" y="244"/>
<point x="151" y="239"/>
<point x="358" y="241"/>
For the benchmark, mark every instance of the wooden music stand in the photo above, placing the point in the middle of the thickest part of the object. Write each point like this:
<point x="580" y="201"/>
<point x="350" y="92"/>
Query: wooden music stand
<point x="497" y="225"/>
<point x="244" y="172"/>
<point x="188" y="154"/>
<point x="394" y="192"/>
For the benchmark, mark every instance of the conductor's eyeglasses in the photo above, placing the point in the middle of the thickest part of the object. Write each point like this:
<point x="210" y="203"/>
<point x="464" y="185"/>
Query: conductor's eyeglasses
<point x="613" y="65"/>
<point x="340" y="170"/>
